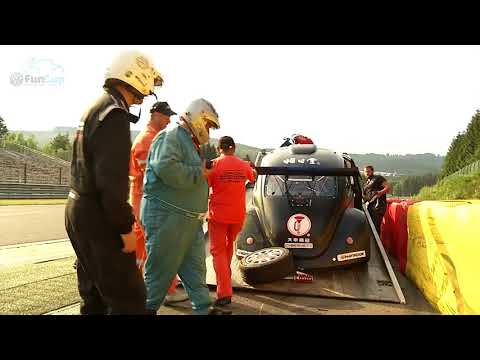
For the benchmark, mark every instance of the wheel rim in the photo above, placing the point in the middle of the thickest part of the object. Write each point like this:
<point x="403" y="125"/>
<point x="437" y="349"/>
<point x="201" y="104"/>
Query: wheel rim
<point x="264" y="256"/>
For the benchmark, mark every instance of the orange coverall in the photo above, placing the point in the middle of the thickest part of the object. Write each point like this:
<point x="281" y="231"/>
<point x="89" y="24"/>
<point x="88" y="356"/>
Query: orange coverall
<point x="138" y="161"/>
<point x="226" y="214"/>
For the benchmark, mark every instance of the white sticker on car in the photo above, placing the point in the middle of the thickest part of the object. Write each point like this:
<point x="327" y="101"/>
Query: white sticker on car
<point x="298" y="246"/>
<point x="299" y="224"/>
<point x="351" y="256"/>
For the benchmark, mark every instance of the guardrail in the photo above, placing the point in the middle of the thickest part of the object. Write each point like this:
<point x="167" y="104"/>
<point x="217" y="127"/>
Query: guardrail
<point x="33" y="191"/>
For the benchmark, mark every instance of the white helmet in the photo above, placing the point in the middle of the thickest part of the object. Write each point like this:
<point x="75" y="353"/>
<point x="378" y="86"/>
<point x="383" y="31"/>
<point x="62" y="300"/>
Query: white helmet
<point x="199" y="113"/>
<point x="137" y="70"/>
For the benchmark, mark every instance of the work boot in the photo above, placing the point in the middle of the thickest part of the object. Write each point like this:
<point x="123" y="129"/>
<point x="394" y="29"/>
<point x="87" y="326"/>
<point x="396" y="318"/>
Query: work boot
<point x="213" y="310"/>
<point x="223" y="301"/>
<point x="175" y="298"/>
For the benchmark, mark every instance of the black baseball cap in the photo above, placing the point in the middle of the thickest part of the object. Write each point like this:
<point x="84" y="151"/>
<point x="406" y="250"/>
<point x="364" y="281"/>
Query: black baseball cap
<point x="162" y="107"/>
<point x="226" y="143"/>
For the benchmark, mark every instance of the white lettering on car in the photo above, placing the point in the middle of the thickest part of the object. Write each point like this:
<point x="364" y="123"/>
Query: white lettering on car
<point x="288" y="245"/>
<point x="351" y="256"/>
<point x="311" y="161"/>
<point x="289" y="161"/>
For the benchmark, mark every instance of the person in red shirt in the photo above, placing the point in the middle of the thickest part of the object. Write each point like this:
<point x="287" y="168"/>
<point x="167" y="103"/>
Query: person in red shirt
<point x="226" y="212"/>
<point x="160" y="118"/>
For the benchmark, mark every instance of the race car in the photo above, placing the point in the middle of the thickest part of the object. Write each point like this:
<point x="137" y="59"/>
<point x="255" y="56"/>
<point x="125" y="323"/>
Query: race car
<point x="305" y="213"/>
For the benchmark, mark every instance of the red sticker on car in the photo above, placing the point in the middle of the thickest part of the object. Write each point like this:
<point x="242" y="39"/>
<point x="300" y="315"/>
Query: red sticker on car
<point x="303" y="277"/>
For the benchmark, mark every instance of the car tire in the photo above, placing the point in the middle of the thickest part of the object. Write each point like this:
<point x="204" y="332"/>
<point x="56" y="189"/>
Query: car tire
<point x="267" y="265"/>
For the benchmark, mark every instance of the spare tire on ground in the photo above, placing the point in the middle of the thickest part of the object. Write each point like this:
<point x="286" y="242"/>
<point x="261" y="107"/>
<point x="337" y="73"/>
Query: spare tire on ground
<point x="267" y="265"/>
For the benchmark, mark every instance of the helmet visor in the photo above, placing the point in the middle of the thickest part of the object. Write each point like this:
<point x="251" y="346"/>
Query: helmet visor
<point x="158" y="81"/>
<point x="211" y="120"/>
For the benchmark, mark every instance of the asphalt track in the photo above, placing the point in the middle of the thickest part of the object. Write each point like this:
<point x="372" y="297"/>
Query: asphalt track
<point x="31" y="223"/>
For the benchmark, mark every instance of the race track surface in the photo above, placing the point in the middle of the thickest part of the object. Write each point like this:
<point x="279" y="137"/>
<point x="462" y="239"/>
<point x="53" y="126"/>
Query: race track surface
<point x="31" y="223"/>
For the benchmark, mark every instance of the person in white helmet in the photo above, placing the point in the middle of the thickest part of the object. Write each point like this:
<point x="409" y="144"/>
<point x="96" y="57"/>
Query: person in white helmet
<point x="174" y="205"/>
<point x="98" y="218"/>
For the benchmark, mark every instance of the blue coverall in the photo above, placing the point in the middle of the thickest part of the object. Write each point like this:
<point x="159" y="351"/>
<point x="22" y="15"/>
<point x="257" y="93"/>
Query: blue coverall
<point x="173" y="206"/>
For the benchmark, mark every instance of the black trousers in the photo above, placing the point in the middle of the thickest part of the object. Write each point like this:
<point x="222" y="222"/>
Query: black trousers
<point x="109" y="281"/>
<point x="377" y="216"/>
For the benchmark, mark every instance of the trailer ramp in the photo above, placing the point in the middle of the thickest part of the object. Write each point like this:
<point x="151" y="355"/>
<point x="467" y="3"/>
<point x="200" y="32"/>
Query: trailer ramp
<point x="360" y="282"/>
<point x="372" y="281"/>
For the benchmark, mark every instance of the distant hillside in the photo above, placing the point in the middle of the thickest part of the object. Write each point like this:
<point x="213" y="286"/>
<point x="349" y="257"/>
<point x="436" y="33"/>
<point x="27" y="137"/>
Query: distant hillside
<point x="400" y="165"/>
<point x="242" y="150"/>
<point x="410" y="164"/>
<point x="389" y="165"/>
<point x="44" y="137"/>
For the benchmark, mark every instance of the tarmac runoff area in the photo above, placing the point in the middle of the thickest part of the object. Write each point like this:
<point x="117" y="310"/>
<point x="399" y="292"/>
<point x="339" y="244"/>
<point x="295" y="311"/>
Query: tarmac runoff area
<point x="39" y="278"/>
<point x="25" y="224"/>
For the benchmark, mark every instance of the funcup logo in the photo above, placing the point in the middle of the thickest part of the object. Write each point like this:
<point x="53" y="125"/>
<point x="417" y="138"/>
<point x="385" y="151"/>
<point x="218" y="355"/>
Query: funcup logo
<point x="38" y="72"/>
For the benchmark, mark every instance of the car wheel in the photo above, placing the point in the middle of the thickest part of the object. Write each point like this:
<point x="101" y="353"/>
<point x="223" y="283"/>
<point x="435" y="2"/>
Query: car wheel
<point x="267" y="265"/>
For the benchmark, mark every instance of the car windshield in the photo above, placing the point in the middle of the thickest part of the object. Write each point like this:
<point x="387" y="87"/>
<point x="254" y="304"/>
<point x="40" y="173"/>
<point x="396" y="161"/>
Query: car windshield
<point x="321" y="186"/>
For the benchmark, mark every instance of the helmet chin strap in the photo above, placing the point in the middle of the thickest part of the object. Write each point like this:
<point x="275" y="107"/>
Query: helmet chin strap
<point x="135" y="118"/>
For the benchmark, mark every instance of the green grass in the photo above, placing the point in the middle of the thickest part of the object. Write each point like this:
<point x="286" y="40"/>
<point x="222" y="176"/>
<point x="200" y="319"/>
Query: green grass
<point x="5" y="202"/>
<point x="461" y="187"/>
<point x="35" y="289"/>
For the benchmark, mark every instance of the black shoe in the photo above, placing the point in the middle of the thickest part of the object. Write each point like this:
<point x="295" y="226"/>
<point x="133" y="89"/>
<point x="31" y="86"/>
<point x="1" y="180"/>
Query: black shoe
<point x="213" y="310"/>
<point x="150" y="312"/>
<point x="223" y="301"/>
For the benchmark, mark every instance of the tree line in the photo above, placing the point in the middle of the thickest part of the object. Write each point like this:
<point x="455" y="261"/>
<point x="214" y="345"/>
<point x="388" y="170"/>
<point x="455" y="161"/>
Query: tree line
<point x="402" y="165"/>
<point x="464" y="149"/>
<point x="411" y="185"/>
<point x="60" y="146"/>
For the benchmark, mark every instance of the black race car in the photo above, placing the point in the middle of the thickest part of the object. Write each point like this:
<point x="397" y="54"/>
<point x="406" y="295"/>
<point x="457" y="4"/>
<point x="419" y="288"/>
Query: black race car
<point x="306" y="213"/>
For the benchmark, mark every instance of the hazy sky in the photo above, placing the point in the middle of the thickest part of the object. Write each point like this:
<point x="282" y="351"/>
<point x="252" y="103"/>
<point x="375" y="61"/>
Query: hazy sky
<point x="357" y="99"/>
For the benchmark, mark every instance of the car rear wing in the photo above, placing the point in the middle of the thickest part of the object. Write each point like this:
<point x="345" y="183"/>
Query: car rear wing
<point x="310" y="170"/>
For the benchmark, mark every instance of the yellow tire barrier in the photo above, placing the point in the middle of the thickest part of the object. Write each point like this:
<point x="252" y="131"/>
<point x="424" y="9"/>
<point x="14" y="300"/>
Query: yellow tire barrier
<point x="443" y="254"/>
